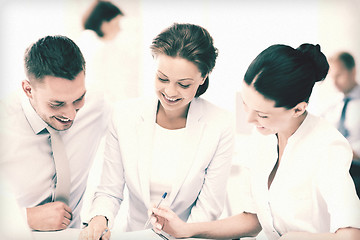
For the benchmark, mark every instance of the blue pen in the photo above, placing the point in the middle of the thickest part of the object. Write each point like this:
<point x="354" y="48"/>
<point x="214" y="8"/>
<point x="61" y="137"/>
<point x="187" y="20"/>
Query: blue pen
<point x="162" y="198"/>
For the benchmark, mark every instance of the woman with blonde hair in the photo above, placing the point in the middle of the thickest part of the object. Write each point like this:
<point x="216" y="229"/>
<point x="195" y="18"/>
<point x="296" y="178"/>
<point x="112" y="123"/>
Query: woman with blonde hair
<point x="176" y="143"/>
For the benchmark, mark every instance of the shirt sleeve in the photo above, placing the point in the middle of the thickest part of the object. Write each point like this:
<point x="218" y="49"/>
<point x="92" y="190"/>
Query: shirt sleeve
<point x="248" y="172"/>
<point x="109" y="193"/>
<point x="246" y="192"/>
<point x="336" y="187"/>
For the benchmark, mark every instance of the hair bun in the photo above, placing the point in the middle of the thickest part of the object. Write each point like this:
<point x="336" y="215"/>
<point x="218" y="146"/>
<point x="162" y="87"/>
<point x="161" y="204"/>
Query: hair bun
<point x="313" y="52"/>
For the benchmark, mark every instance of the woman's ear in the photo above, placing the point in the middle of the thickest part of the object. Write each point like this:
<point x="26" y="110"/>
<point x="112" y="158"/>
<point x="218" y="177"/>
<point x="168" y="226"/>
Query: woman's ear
<point x="299" y="109"/>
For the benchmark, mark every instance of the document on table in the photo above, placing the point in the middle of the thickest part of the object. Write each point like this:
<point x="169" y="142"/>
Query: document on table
<point x="73" y="234"/>
<point x="143" y="234"/>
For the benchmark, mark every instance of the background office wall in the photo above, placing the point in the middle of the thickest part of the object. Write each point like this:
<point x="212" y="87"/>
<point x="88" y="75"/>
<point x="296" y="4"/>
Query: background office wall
<point x="241" y="29"/>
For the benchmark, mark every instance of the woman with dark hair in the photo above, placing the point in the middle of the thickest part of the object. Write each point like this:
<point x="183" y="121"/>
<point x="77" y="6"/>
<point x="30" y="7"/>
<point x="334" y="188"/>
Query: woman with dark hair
<point x="107" y="57"/>
<point x="176" y="143"/>
<point x="299" y="172"/>
<point x="103" y="18"/>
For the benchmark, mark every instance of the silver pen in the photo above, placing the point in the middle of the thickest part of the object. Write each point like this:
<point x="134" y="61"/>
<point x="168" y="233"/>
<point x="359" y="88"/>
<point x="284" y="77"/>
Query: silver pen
<point x="149" y="218"/>
<point x="103" y="233"/>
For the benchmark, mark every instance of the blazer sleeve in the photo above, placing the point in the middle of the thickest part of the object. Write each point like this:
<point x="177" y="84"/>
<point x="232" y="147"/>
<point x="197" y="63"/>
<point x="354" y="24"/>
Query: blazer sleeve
<point x="109" y="193"/>
<point x="211" y="199"/>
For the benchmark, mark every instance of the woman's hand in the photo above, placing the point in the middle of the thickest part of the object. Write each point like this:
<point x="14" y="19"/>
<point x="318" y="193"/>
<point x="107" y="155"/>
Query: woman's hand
<point x="94" y="231"/>
<point x="166" y="220"/>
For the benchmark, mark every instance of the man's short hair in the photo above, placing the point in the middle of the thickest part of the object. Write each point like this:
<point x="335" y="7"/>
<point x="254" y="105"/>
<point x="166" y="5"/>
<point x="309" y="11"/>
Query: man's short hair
<point x="56" y="56"/>
<point x="347" y="59"/>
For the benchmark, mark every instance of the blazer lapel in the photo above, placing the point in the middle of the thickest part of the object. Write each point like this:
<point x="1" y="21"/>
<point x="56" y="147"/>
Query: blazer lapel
<point x="145" y="133"/>
<point x="193" y="134"/>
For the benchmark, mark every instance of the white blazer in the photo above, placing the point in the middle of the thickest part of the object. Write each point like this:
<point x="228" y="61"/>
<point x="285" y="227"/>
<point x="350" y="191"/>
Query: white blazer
<point x="199" y="191"/>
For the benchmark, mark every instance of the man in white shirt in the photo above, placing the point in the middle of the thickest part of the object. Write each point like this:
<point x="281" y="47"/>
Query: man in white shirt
<point x="346" y="117"/>
<point x="345" y="113"/>
<point x="54" y="93"/>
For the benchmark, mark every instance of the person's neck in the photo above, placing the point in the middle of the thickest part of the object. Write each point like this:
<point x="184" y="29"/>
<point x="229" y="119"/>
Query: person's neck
<point x="107" y="38"/>
<point x="284" y="136"/>
<point x="172" y="119"/>
<point x="293" y="127"/>
<point x="350" y="88"/>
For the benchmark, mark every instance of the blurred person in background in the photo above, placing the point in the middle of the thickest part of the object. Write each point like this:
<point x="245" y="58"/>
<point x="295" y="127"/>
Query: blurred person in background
<point x="345" y="112"/>
<point x="106" y="67"/>
<point x="103" y="18"/>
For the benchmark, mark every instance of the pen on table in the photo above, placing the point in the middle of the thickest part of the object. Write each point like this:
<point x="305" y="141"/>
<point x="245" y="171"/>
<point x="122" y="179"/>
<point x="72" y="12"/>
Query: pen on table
<point x="103" y="233"/>
<point x="149" y="218"/>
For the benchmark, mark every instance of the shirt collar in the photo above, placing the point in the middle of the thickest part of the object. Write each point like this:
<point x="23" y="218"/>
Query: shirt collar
<point x="302" y="129"/>
<point x="35" y="122"/>
<point x="354" y="93"/>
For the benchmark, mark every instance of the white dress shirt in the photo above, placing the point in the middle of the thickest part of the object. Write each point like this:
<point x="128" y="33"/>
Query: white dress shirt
<point x="199" y="188"/>
<point x="312" y="190"/>
<point x="13" y="224"/>
<point x="352" y="117"/>
<point x="26" y="155"/>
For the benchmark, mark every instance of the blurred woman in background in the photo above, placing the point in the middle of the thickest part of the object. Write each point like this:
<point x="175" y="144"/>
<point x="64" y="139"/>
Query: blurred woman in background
<point x="106" y="60"/>
<point x="103" y="18"/>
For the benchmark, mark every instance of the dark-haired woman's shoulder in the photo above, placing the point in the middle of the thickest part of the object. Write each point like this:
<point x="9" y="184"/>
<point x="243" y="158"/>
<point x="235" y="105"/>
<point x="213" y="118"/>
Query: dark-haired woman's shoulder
<point x="327" y="139"/>
<point x="325" y="129"/>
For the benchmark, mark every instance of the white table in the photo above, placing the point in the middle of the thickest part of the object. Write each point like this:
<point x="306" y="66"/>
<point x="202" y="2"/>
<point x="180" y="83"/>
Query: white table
<point x="73" y="234"/>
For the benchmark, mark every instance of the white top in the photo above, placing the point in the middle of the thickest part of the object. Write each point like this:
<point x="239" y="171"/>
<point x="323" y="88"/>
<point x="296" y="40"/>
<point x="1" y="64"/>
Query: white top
<point x="352" y="117"/>
<point x="165" y="161"/>
<point x="312" y="190"/>
<point x="199" y="188"/>
<point x="26" y="153"/>
<point x="110" y="66"/>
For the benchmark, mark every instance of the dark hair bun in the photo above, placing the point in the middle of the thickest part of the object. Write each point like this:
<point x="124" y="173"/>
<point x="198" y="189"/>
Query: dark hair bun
<point x="318" y="59"/>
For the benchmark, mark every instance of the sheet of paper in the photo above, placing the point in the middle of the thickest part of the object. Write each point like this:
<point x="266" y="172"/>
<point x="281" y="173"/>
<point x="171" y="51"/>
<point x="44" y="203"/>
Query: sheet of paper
<point x="144" y="234"/>
<point x="73" y="234"/>
<point x="69" y="233"/>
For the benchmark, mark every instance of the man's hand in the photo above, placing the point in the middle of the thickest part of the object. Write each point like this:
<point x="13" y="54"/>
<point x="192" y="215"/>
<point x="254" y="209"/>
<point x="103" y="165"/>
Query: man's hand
<point x="49" y="217"/>
<point x="96" y="229"/>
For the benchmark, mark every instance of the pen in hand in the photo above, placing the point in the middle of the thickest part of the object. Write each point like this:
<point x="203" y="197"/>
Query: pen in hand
<point x="103" y="233"/>
<point x="149" y="218"/>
